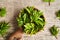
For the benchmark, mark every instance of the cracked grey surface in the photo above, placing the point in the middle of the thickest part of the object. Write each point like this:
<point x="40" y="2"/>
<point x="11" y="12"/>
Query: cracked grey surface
<point x="12" y="7"/>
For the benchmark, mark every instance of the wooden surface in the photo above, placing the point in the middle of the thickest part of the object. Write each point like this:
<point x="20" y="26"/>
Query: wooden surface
<point x="13" y="7"/>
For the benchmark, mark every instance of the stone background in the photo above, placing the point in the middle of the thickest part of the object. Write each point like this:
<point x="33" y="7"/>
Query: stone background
<point x="13" y="7"/>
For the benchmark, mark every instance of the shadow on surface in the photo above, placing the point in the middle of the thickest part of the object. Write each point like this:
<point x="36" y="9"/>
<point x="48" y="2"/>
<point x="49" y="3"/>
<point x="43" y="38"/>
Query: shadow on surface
<point x="14" y="23"/>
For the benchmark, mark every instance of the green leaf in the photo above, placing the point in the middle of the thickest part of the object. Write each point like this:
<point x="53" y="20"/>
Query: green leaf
<point x="58" y="14"/>
<point x="2" y="11"/>
<point x="24" y="17"/>
<point x="48" y="0"/>
<point x="27" y="10"/>
<point x="3" y="28"/>
<point x="29" y="25"/>
<point x="20" y="22"/>
<point x="54" y="30"/>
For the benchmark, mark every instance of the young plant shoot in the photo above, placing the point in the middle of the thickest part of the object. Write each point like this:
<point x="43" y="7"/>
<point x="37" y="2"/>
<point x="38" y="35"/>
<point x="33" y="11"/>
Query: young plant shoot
<point x="58" y="14"/>
<point x="54" y="31"/>
<point x="31" y="20"/>
<point x="3" y="28"/>
<point x="49" y="1"/>
<point x="2" y="12"/>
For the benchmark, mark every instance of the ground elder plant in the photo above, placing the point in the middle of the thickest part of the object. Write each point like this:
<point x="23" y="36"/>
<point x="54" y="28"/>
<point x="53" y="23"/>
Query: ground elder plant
<point x="2" y="11"/>
<point x="3" y="28"/>
<point x="31" y="20"/>
<point x="49" y="1"/>
<point x="54" y="30"/>
<point x="58" y="14"/>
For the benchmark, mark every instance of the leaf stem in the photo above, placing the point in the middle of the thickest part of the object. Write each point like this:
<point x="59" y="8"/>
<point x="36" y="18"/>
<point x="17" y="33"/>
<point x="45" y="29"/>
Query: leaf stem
<point x="56" y="37"/>
<point x="49" y="2"/>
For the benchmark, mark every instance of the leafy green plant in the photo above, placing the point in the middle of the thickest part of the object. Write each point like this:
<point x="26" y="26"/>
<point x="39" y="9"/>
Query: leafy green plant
<point x="58" y="14"/>
<point x="2" y="12"/>
<point x="54" y="30"/>
<point x="49" y="1"/>
<point x="31" y="20"/>
<point x="3" y="28"/>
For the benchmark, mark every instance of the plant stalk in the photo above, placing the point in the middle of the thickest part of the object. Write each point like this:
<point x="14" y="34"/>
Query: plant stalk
<point x="49" y="2"/>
